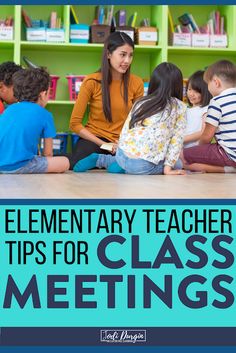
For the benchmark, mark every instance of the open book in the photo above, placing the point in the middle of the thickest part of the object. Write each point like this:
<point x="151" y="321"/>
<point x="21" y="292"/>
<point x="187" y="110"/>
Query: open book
<point x="107" y="146"/>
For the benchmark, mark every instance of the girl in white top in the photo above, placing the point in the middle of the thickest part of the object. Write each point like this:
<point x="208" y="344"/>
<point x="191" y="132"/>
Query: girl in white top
<point x="198" y="98"/>
<point x="152" y="136"/>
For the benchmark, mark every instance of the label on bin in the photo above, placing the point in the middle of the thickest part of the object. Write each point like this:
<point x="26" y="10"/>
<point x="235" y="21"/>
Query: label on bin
<point x="77" y="86"/>
<point x="6" y="33"/>
<point x="56" y="144"/>
<point x="129" y="33"/>
<point x="79" y="34"/>
<point x="148" y="36"/>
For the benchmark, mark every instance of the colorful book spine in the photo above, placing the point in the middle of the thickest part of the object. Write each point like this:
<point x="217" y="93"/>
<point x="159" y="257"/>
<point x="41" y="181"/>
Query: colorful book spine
<point x="134" y="19"/>
<point x="222" y="28"/>
<point x="74" y="16"/>
<point x="53" y="19"/>
<point x="171" y="22"/>
<point x="110" y="15"/>
<point x="193" y="23"/>
<point x="121" y="18"/>
<point x="101" y="15"/>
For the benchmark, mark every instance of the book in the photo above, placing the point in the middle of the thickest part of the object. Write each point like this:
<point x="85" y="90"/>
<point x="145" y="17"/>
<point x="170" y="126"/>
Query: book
<point x="188" y="19"/>
<point x="121" y="18"/>
<point x="26" y="19"/>
<point x="9" y="21"/>
<point x="171" y="22"/>
<point x="217" y="22"/>
<point x="108" y="146"/>
<point x="184" y="19"/>
<point x="101" y="15"/>
<point x="222" y="30"/>
<point x="53" y="19"/>
<point x="193" y="23"/>
<point x="110" y="15"/>
<point x="134" y="19"/>
<point x="74" y="17"/>
<point x="113" y="22"/>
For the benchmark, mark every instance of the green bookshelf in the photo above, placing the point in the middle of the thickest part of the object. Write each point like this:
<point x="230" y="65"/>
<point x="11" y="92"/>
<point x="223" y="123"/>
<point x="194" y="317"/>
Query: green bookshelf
<point x="71" y="58"/>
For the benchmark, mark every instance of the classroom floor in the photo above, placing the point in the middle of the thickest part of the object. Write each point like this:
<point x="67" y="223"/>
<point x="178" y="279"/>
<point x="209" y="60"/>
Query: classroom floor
<point x="99" y="184"/>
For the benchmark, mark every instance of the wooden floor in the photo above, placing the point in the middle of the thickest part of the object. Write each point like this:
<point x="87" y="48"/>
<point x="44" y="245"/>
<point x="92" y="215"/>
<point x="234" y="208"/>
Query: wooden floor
<point x="99" y="184"/>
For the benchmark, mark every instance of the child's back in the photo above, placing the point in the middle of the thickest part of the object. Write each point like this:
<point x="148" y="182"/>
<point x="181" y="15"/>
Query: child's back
<point x="21" y="126"/>
<point x="151" y="139"/>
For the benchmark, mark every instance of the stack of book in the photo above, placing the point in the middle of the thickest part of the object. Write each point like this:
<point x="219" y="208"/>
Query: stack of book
<point x="103" y="15"/>
<point x="190" y="33"/>
<point x="54" y="21"/>
<point x="188" y="24"/>
<point x="40" y="30"/>
<point x="8" y="22"/>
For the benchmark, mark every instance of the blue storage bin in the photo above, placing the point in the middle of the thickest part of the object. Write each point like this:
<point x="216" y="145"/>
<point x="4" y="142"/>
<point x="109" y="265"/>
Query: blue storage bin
<point x="59" y="143"/>
<point x="74" y="139"/>
<point x="36" y="34"/>
<point x="79" y="33"/>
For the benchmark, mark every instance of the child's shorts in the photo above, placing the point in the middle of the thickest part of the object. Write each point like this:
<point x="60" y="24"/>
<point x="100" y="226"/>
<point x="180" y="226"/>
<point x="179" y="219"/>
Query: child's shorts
<point x="211" y="154"/>
<point x="36" y="165"/>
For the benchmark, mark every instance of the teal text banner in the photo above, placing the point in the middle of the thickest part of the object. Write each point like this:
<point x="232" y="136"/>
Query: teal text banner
<point x="117" y="265"/>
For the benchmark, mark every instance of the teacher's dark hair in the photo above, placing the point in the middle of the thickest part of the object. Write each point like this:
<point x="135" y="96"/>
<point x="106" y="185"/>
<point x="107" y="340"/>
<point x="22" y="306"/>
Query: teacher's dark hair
<point x="114" y="41"/>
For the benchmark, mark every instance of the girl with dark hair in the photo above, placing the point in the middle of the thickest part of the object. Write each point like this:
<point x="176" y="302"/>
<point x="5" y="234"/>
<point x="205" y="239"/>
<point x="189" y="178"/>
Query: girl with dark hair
<point x="152" y="136"/>
<point x="198" y="98"/>
<point x="111" y="93"/>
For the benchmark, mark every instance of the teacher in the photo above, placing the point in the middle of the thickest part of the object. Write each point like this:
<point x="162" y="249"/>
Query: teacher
<point x="111" y="92"/>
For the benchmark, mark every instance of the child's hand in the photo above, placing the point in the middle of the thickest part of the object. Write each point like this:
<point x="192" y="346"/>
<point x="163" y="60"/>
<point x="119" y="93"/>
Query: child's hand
<point x="169" y="171"/>
<point x="114" y="147"/>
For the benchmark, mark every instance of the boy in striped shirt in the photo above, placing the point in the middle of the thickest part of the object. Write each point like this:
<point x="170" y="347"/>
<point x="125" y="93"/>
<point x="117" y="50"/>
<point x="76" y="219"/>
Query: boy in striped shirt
<point x="218" y="157"/>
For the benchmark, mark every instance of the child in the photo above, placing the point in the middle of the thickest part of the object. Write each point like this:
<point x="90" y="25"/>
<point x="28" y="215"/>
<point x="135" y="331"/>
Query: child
<point x="23" y="124"/>
<point x="198" y="98"/>
<point x="7" y="70"/>
<point x="152" y="137"/>
<point x="219" y="157"/>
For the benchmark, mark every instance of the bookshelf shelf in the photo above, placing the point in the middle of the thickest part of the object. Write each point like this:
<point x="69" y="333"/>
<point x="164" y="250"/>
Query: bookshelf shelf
<point x="193" y="51"/>
<point x="81" y="47"/>
<point x="57" y="102"/>
<point x="7" y="44"/>
<point x="80" y="59"/>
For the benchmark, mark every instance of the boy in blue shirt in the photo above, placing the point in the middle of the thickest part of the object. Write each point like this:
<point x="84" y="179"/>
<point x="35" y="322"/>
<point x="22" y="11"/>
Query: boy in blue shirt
<point x="22" y="125"/>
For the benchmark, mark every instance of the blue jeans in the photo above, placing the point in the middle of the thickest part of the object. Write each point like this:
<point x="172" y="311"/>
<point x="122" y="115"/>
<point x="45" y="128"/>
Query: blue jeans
<point x="37" y="165"/>
<point x="130" y="165"/>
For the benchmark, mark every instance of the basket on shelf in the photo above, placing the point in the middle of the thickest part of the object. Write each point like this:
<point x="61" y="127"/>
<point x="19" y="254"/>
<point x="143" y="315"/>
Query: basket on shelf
<point x="53" y="87"/>
<point x="99" y="33"/>
<point x="74" y="83"/>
